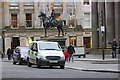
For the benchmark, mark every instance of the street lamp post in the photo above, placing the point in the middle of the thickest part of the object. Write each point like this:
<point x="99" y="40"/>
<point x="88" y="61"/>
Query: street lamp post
<point x="102" y="30"/>
<point x="74" y="19"/>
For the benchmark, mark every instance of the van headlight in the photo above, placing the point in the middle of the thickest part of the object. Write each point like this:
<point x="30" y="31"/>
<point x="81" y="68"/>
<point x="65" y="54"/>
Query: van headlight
<point x="62" y="57"/>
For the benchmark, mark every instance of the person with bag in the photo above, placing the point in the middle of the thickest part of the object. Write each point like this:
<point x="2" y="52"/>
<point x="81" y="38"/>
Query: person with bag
<point x="114" y="47"/>
<point x="9" y="52"/>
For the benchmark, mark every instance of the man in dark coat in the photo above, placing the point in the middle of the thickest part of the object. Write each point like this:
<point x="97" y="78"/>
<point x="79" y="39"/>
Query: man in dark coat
<point x="114" y="46"/>
<point x="9" y="52"/>
<point x="71" y="50"/>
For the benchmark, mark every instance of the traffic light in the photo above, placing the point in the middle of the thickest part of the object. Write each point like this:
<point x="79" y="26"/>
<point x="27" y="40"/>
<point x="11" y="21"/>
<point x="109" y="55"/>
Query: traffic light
<point x="101" y="17"/>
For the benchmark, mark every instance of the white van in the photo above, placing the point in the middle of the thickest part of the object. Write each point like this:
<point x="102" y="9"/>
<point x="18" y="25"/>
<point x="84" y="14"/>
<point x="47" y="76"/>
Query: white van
<point x="45" y="53"/>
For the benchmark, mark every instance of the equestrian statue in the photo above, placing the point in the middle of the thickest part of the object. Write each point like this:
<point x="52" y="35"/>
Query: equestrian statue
<point x="51" y="22"/>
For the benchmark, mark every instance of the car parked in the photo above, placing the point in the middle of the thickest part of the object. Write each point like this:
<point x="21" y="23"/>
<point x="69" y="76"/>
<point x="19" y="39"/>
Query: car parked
<point x="20" y="55"/>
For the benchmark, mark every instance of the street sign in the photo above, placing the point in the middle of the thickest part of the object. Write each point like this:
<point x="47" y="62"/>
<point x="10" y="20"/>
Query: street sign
<point x="102" y="28"/>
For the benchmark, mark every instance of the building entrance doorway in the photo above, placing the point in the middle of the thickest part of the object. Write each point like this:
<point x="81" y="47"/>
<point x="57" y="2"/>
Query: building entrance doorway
<point x="15" y="42"/>
<point x="87" y="42"/>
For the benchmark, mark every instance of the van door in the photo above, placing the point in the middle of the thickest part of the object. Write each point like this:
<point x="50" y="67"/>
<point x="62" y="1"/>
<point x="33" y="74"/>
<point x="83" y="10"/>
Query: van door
<point x="34" y="53"/>
<point x="31" y="53"/>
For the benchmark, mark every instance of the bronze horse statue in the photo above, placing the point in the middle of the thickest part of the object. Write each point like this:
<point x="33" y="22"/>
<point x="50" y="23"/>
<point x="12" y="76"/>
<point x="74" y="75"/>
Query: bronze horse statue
<point x="48" y="22"/>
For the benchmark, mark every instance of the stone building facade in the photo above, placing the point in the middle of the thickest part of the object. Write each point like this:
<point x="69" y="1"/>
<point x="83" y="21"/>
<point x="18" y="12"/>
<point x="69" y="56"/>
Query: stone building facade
<point x="21" y="24"/>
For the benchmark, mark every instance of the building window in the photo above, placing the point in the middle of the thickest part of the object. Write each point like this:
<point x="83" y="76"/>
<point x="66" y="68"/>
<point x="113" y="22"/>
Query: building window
<point x="28" y="20"/>
<point x="72" y="39"/>
<point x="86" y="2"/>
<point x="87" y="20"/>
<point x="13" y="5"/>
<point x="14" y="21"/>
<point x="28" y="4"/>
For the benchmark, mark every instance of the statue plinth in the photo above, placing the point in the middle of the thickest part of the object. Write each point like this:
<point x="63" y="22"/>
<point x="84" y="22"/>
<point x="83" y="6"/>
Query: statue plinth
<point x="60" y="39"/>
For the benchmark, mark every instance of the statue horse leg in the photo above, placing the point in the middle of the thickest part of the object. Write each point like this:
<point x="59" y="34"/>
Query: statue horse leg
<point x="60" y="28"/>
<point x="58" y="31"/>
<point x="45" y="31"/>
<point x="62" y="31"/>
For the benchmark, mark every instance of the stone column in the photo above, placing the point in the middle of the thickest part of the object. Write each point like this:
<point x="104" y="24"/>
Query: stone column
<point x="79" y="40"/>
<point x="22" y="41"/>
<point x="110" y="21"/>
<point x="6" y="14"/>
<point x="116" y="21"/>
<point x="7" y="43"/>
<point x="21" y="19"/>
<point x="79" y="13"/>
<point x="67" y="40"/>
<point x="65" y="15"/>
<point x="36" y="13"/>
<point x="94" y="16"/>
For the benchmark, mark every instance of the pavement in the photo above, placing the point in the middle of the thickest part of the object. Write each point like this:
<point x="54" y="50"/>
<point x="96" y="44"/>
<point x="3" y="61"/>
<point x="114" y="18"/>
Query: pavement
<point x="94" y="63"/>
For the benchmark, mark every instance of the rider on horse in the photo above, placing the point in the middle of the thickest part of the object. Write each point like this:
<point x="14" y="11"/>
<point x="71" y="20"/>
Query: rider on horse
<point x="52" y="17"/>
<point x="51" y="22"/>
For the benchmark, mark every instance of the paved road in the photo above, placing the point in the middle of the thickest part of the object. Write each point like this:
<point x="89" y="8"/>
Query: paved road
<point x="22" y="71"/>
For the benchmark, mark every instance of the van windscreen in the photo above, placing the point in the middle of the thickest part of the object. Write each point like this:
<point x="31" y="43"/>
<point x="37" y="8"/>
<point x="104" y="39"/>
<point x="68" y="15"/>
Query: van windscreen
<point x="49" y="46"/>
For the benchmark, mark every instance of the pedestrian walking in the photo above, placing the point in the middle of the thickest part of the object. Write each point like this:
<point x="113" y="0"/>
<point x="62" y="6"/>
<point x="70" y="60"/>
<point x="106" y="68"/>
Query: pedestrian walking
<point x="114" y="46"/>
<point x="2" y="55"/>
<point x="66" y="54"/>
<point x="9" y="52"/>
<point x="71" y="51"/>
<point x="12" y="51"/>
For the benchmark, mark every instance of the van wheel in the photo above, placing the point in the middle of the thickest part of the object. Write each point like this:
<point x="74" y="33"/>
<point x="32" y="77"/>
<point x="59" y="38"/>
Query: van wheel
<point x="28" y="63"/>
<point x="38" y="65"/>
<point x="19" y="61"/>
<point x="14" y="61"/>
<point x="50" y="66"/>
<point x="79" y="56"/>
<point x="84" y="56"/>
<point x="62" y="66"/>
